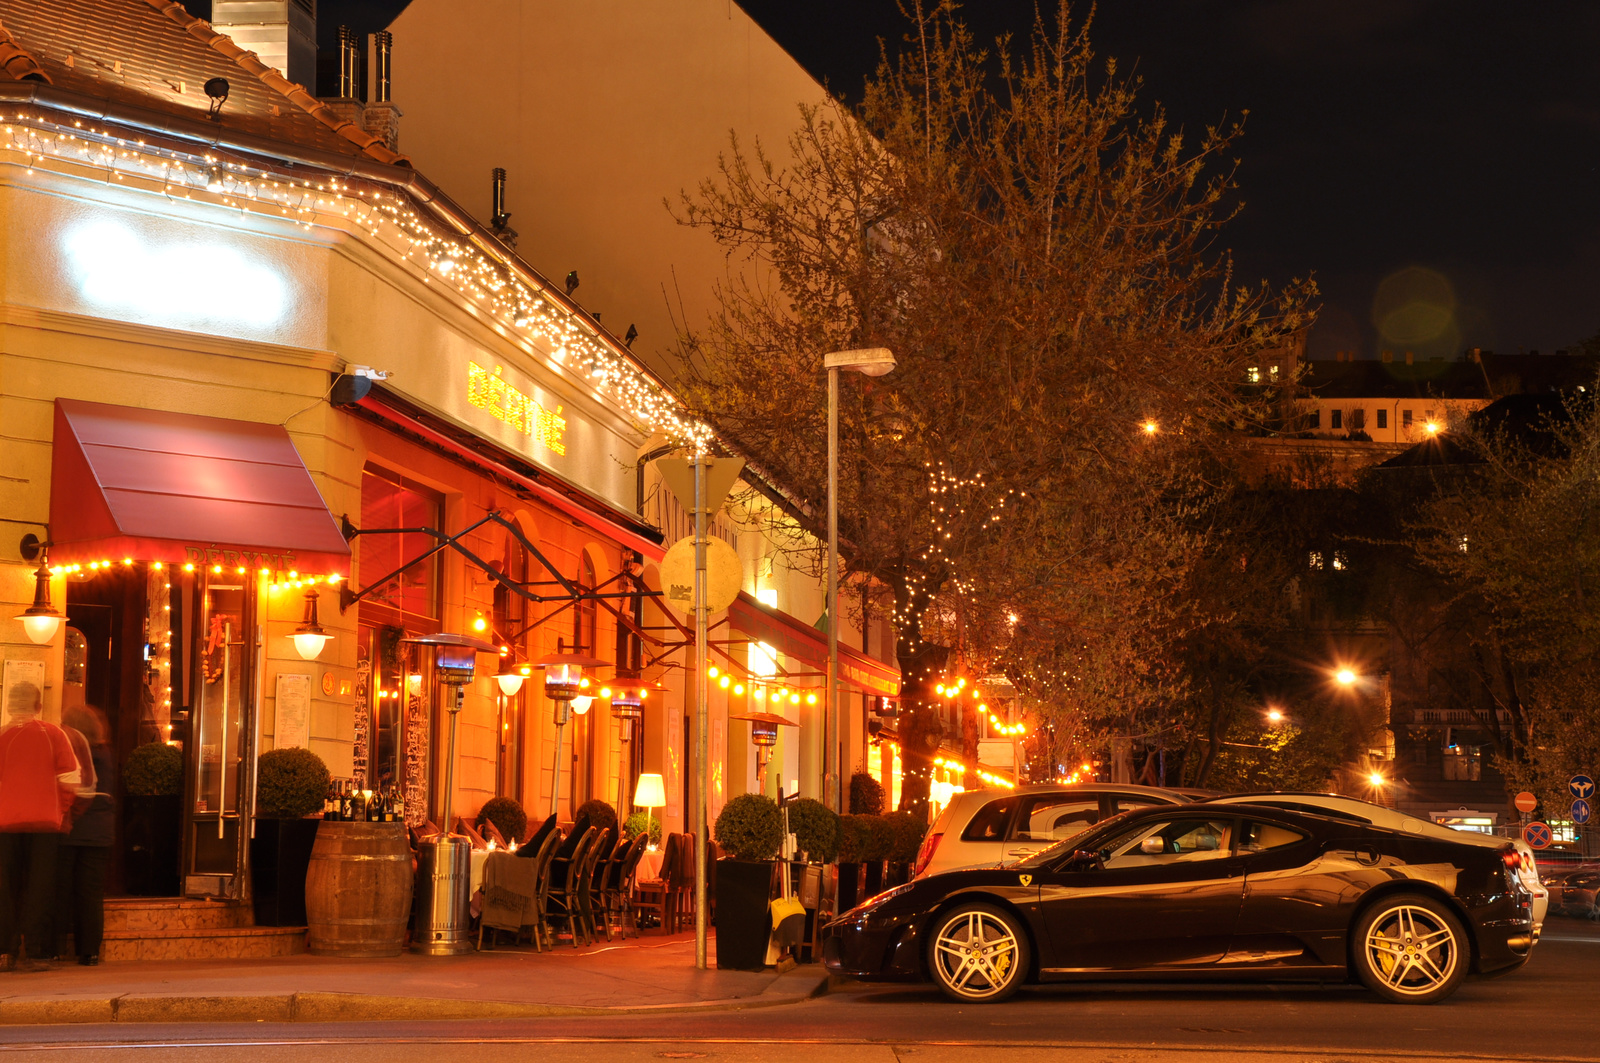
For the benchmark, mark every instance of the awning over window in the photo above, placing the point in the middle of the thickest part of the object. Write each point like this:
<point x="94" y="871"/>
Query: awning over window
<point x="789" y="636"/>
<point x="180" y="488"/>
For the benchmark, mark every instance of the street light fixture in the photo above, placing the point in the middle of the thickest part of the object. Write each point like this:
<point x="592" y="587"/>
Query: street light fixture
<point x="870" y="361"/>
<point x="563" y="679"/>
<point x="1345" y="677"/>
<point x="40" y="620"/>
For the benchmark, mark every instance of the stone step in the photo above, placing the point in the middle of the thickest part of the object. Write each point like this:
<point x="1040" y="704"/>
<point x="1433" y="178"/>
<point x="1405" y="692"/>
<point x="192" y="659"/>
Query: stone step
<point x="238" y="943"/>
<point x="149" y="915"/>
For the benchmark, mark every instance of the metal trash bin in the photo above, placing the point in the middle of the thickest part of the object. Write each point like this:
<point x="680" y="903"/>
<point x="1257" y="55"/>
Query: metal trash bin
<point x="444" y="877"/>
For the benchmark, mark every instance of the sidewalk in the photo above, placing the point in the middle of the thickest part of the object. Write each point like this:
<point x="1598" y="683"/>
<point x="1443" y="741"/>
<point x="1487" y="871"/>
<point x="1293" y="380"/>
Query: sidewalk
<point x="652" y="974"/>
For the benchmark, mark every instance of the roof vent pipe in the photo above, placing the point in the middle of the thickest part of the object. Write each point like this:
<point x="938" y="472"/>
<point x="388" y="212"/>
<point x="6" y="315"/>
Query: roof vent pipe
<point x="385" y="42"/>
<point x="347" y="63"/>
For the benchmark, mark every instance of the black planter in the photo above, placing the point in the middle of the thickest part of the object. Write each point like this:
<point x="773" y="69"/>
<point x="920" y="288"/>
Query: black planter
<point x="744" y="923"/>
<point x="152" y="836"/>
<point x="280" y="852"/>
<point x="872" y="883"/>
<point x="897" y="875"/>
<point x="849" y="893"/>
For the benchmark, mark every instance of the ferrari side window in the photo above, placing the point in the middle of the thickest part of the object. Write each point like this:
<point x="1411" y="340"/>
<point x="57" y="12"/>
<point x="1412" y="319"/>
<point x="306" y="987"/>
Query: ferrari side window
<point x="1175" y="841"/>
<point x="991" y="821"/>
<point x="1263" y="837"/>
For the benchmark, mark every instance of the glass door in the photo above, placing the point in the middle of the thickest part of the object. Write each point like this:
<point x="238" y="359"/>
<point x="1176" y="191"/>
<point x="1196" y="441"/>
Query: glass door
<point x="222" y="732"/>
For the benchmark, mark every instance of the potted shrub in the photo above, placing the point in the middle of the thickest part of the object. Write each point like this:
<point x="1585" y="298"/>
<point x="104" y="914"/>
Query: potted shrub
<point x="152" y="784"/>
<point x="866" y="795"/>
<point x="635" y="826"/>
<point x="906" y="831"/>
<point x="875" y="851"/>
<point x="290" y="785"/>
<point x="508" y="817"/>
<point x="749" y="829"/>
<point x="854" y="838"/>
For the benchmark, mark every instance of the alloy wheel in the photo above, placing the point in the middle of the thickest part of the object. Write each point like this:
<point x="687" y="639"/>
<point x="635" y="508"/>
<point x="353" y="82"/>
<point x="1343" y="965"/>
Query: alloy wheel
<point x="977" y="955"/>
<point x="1412" y="951"/>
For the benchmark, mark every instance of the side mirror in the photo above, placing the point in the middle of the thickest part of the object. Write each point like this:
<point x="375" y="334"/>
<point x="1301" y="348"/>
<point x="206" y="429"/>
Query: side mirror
<point x="1153" y="845"/>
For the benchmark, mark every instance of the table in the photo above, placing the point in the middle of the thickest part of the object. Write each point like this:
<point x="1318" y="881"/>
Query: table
<point x="649" y="865"/>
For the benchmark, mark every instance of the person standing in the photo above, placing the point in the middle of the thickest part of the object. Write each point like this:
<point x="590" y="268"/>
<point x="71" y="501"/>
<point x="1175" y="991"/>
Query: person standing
<point x="39" y="779"/>
<point x="85" y="852"/>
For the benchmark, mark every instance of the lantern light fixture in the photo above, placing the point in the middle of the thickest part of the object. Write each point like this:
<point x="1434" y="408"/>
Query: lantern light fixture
<point x="40" y="620"/>
<point x="309" y="638"/>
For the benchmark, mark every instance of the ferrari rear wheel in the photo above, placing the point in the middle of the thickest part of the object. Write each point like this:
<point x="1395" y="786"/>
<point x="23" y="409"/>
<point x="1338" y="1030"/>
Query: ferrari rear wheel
<point x="1411" y="949"/>
<point x="978" y="954"/>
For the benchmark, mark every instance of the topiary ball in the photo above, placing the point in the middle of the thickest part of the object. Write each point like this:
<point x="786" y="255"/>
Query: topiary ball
<point x="290" y="783"/>
<point x="880" y="839"/>
<point x="636" y="823"/>
<point x="906" y="832"/>
<point x="508" y="817"/>
<point x="750" y="828"/>
<point x="153" y="770"/>
<point x="855" y="836"/>
<point x="816" y="829"/>
<point x="601" y="814"/>
<point x="866" y="795"/>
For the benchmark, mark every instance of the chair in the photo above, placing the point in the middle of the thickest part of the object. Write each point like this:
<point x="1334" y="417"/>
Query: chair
<point x="604" y="871"/>
<point x="583" y="889"/>
<point x="544" y="857"/>
<point x="562" y="899"/>
<point x="653" y="894"/>
<point x="685" y="883"/>
<point x="617" y="891"/>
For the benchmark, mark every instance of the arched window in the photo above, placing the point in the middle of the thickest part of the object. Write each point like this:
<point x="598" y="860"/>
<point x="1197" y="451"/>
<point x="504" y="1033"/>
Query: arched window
<point x="586" y="622"/>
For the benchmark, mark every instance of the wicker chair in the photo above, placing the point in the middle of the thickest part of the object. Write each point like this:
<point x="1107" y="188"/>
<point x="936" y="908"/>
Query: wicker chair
<point x="583" y="889"/>
<point x="616" y="893"/>
<point x="544" y="857"/>
<point x="564" y="897"/>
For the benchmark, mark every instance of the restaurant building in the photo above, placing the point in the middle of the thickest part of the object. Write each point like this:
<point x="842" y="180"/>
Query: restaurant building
<point x="258" y="377"/>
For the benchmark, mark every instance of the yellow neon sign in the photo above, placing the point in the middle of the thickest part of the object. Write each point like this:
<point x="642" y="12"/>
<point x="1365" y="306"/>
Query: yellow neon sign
<point x="487" y="391"/>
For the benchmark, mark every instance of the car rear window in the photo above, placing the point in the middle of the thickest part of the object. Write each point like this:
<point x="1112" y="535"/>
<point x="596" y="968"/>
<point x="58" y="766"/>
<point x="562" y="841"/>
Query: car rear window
<point x="1052" y="817"/>
<point x="991" y="821"/>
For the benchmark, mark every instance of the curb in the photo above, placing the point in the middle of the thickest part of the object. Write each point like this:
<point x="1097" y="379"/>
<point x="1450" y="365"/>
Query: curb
<point x="792" y="987"/>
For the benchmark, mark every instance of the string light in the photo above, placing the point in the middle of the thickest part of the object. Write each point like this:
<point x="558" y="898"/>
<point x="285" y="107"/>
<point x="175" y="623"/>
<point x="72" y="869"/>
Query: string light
<point x="494" y="285"/>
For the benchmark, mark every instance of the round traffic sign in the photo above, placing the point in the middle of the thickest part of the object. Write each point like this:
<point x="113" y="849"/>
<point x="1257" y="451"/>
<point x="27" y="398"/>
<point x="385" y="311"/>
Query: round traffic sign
<point x="1581" y="787"/>
<point x="1537" y="835"/>
<point x="724" y="574"/>
<point x="1526" y="802"/>
<point x="1581" y="811"/>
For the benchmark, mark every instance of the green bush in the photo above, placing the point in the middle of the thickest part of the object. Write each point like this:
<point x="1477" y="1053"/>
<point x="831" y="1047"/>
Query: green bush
<point x="907" y="832"/>
<point x="601" y="814"/>
<point x="816" y="828"/>
<point x="880" y="838"/>
<point x="854" y="837"/>
<point x="507" y="816"/>
<point x="866" y="795"/>
<point x="290" y="783"/>
<point x="153" y="770"/>
<point x="750" y="828"/>
<point x="635" y="826"/>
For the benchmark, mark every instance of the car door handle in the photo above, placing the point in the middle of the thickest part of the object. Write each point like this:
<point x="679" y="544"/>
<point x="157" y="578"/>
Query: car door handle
<point x="1023" y="851"/>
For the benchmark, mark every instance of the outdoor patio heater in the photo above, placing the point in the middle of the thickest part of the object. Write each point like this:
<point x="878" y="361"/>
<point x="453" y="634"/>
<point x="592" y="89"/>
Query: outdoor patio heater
<point x="444" y="861"/>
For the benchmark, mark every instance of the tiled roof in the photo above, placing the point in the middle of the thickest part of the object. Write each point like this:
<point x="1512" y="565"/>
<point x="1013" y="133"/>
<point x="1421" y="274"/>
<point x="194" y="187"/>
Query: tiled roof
<point x="154" y="54"/>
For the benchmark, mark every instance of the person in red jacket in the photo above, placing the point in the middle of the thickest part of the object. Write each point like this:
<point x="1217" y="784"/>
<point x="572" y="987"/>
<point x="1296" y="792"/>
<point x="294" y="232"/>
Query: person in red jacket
<point x="39" y="778"/>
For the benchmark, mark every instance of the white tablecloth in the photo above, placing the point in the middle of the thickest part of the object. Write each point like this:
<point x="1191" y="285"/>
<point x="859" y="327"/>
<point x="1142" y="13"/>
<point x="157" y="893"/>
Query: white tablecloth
<point x="649" y="866"/>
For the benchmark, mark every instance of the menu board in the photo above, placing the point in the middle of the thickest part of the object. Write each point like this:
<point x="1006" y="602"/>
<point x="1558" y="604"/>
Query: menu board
<point x="291" y="720"/>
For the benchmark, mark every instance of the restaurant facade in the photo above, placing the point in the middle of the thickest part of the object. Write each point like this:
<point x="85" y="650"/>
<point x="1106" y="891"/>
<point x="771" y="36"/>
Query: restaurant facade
<point x="260" y="379"/>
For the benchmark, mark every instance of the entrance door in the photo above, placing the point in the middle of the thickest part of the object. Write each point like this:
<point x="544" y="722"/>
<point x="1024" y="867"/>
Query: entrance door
<point x="222" y="734"/>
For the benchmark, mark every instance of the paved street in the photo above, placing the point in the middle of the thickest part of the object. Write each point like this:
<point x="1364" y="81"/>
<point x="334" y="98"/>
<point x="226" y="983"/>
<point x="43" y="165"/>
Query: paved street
<point x="1543" y="1012"/>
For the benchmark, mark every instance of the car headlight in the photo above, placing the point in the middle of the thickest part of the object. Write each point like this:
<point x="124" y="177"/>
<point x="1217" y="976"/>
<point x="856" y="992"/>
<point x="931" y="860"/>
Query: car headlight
<point x="873" y="905"/>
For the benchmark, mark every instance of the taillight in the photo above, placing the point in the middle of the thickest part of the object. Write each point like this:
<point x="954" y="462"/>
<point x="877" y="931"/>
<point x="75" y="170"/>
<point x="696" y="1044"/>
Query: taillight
<point x="1512" y="858"/>
<point x="925" y="853"/>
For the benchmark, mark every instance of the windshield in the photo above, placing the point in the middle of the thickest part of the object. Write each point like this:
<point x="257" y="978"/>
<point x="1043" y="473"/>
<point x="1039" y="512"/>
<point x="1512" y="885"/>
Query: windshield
<point x="1067" y="846"/>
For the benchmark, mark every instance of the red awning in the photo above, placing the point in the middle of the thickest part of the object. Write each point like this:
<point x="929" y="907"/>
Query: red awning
<point x="178" y="487"/>
<point x="789" y="636"/>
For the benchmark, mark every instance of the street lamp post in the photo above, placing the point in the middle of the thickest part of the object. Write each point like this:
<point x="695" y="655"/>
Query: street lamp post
<point x="871" y="361"/>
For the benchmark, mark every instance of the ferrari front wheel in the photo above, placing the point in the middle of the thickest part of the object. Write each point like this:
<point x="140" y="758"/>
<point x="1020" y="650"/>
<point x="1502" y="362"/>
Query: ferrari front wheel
<point x="978" y="953"/>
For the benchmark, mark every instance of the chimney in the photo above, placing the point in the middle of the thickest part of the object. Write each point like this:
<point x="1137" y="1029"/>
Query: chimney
<point x="382" y="117"/>
<point x="282" y="32"/>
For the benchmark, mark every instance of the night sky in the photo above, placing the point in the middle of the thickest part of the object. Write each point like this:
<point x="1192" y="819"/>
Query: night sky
<point x="1434" y="163"/>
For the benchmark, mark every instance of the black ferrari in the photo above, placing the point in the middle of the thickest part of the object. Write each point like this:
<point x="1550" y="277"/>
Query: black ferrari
<point x="1229" y="892"/>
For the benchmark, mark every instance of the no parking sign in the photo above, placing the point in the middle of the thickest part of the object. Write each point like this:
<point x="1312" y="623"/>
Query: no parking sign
<point x="1537" y="835"/>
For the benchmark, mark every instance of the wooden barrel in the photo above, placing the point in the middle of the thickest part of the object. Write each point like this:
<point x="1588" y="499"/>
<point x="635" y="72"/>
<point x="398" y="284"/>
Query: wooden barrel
<point x="358" y="889"/>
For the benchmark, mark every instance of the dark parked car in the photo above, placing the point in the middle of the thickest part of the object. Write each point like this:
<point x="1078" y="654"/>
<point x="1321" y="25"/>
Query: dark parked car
<point x="1204" y="891"/>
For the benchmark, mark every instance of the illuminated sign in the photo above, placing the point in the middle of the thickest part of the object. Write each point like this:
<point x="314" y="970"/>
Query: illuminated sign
<point x="487" y="391"/>
<point x="177" y="283"/>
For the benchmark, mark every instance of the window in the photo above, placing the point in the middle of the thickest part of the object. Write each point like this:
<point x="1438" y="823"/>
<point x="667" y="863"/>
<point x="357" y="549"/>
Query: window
<point x="1405" y="418"/>
<point x="389" y="500"/>
<point x="990" y="824"/>
<point x="1463" y="764"/>
<point x="1264" y="837"/>
<point x="1336" y="419"/>
<point x="1383" y="418"/>
<point x="1052" y="817"/>
<point x="1358" y="420"/>
<point x="1175" y="841"/>
<point x="1316" y="560"/>
<point x="1314" y="419"/>
<point x="1253" y="374"/>
<point x="586" y="616"/>
<point x="1340" y="561"/>
<point x="1272" y="374"/>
